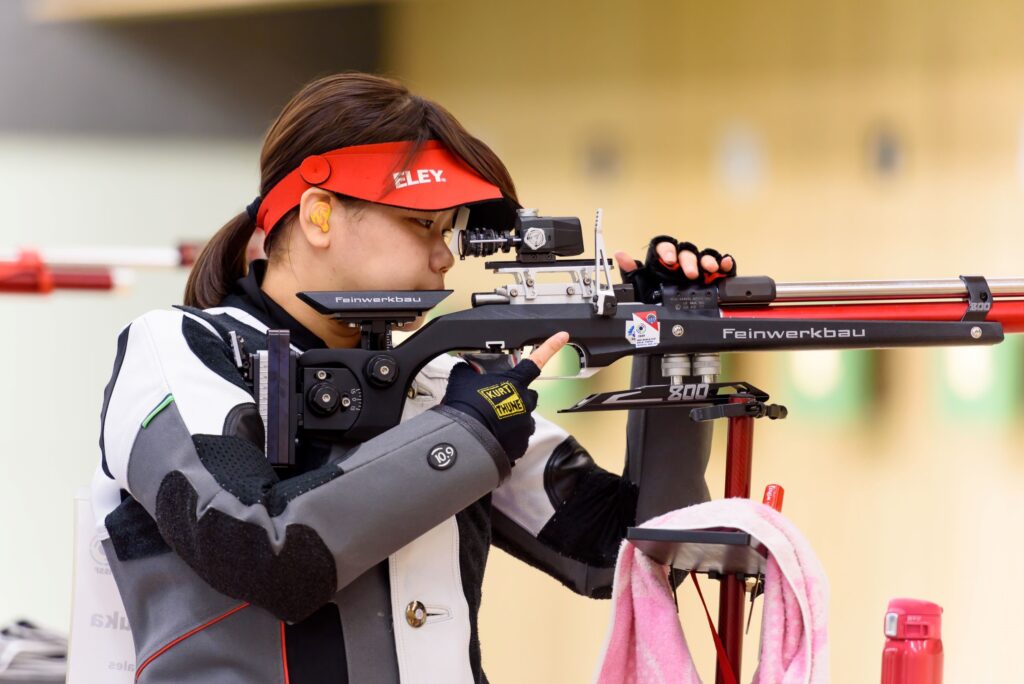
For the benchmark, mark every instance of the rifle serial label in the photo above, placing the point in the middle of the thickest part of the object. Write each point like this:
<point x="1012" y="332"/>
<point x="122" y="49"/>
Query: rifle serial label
<point x="504" y="399"/>
<point x="644" y="330"/>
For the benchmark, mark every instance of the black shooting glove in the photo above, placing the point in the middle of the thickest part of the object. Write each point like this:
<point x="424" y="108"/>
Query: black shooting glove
<point x="650" y="275"/>
<point x="501" y="401"/>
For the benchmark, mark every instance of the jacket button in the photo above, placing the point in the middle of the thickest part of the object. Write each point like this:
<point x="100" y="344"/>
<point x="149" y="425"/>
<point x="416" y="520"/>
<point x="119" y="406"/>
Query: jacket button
<point x="416" y="614"/>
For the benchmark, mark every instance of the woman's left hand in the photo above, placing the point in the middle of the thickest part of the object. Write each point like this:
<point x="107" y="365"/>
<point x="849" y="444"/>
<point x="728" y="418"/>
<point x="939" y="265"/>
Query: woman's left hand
<point x="670" y="262"/>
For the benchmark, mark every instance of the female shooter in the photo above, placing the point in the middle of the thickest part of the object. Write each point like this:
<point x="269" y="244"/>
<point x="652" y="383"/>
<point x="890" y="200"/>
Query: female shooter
<point x="364" y="562"/>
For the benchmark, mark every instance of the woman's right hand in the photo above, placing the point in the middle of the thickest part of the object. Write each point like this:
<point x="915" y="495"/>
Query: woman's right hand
<point x="503" y="401"/>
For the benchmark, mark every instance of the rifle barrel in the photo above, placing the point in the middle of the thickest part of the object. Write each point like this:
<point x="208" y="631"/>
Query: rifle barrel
<point x="868" y="290"/>
<point x="1008" y="312"/>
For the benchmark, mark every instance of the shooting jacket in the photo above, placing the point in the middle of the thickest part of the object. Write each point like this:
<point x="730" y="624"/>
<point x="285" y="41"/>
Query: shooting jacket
<point x="365" y="564"/>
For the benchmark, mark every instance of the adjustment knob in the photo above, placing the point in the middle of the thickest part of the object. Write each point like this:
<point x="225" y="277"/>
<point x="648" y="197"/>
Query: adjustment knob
<point x="382" y="370"/>
<point x="323" y="398"/>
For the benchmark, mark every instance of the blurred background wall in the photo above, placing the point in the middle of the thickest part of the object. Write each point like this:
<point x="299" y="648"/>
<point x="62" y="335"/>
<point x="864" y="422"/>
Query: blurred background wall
<point x="815" y="141"/>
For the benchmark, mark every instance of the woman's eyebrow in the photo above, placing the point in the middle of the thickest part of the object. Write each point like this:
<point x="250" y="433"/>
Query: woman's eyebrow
<point x="435" y="216"/>
<point x="421" y="213"/>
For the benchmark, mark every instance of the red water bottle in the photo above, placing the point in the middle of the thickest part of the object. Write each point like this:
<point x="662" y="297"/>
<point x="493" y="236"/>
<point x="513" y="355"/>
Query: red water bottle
<point x="913" y="643"/>
<point x="773" y="494"/>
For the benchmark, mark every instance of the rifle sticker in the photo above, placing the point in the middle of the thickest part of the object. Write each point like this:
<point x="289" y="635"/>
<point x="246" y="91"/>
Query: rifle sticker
<point x="644" y="330"/>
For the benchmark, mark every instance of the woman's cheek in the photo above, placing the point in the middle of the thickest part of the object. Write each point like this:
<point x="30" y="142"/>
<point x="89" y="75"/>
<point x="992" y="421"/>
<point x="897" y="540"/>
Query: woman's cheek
<point x="414" y="254"/>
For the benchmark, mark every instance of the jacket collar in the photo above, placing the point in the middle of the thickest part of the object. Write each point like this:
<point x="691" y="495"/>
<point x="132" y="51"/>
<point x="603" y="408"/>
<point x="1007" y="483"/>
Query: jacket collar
<point x="247" y="295"/>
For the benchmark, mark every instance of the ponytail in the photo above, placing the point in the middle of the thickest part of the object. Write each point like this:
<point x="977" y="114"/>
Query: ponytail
<point x="220" y="264"/>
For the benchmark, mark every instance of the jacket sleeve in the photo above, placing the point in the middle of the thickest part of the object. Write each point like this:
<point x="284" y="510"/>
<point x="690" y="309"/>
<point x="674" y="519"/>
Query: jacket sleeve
<point x="174" y="438"/>
<point x="566" y="515"/>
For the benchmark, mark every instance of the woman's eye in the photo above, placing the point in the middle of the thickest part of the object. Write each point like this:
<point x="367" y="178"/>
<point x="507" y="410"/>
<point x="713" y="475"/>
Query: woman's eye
<point x="426" y="223"/>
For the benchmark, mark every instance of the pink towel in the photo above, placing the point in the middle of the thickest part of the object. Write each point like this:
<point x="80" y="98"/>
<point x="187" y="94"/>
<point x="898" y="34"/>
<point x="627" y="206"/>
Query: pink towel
<point x="645" y="641"/>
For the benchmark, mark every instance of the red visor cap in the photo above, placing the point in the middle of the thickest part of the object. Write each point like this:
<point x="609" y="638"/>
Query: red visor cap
<point x="434" y="180"/>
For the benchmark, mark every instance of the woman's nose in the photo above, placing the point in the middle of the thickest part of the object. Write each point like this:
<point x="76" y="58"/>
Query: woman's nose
<point x="441" y="257"/>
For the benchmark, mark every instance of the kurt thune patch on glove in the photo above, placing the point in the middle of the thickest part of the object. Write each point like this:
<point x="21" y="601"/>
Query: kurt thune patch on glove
<point x="504" y="399"/>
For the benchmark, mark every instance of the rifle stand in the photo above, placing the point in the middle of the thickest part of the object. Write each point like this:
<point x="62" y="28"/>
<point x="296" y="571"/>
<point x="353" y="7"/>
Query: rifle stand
<point x="728" y="555"/>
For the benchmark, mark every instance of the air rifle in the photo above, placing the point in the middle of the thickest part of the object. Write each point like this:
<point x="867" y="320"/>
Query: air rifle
<point x="358" y="393"/>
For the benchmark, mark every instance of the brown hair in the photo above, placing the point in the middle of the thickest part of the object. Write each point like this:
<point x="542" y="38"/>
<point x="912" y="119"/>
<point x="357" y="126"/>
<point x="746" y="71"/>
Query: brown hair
<point x="327" y="114"/>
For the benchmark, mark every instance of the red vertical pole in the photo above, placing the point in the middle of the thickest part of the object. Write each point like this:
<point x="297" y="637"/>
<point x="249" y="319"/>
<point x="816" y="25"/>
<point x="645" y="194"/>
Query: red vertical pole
<point x="738" y="457"/>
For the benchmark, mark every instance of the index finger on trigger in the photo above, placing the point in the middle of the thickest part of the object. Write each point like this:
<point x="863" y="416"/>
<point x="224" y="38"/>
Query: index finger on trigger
<point x="542" y="354"/>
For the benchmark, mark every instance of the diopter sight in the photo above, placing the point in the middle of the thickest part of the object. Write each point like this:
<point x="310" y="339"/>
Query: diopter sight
<point x="535" y="238"/>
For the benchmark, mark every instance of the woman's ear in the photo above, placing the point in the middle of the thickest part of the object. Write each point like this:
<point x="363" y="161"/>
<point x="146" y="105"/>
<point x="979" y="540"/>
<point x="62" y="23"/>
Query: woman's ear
<point x="315" y="209"/>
